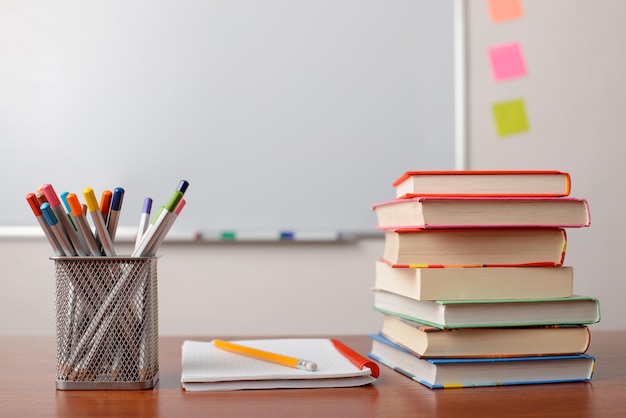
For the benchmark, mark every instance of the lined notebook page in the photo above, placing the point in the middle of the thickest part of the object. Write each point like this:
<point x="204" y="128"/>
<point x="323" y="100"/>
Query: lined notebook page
<point x="203" y="362"/>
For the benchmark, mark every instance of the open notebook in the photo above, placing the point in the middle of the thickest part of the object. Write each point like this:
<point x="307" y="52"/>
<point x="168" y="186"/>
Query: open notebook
<point x="207" y="368"/>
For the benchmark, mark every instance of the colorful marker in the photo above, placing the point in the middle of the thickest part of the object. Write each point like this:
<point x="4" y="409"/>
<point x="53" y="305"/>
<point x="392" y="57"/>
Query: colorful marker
<point x="96" y="216"/>
<point x="73" y="221"/>
<point x="66" y="227"/>
<point x="57" y="229"/>
<point x="41" y="198"/>
<point x="105" y="204"/>
<point x="157" y="240"/>
<point x="31" y="198"/>
<point x="158" y="225"/>
<point x="83" y="227"/>
<point x="182" y="186"/>
<point x="144" y="220"/>
<point x="114" y="213"/>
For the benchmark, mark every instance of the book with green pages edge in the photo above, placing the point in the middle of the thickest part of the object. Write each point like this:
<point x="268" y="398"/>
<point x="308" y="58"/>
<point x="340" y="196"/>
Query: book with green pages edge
<point x="490" y="313"/>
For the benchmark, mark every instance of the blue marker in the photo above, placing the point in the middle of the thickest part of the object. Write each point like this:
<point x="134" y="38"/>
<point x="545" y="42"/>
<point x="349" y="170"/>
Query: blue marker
<point x="182" y="186"/>
<point x="66" y="226"/>
<point x="57" y="229"/>
<point x="114" y="213"/>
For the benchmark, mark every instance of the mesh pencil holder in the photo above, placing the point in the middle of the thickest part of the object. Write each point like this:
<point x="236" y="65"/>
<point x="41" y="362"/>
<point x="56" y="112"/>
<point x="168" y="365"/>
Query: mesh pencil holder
<point x="106" y="323"/>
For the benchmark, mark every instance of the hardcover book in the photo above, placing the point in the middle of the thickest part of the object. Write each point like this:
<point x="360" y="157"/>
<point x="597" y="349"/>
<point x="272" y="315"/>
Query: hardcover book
<point x="483" y="183"/>
<point x="458" y="283"/>
<point x="475" y="247"/>
<point x="450" y="314"/>
<point x="427" y="341"/>
<point x="486" y="371"/>
<point x="482" y="212"/>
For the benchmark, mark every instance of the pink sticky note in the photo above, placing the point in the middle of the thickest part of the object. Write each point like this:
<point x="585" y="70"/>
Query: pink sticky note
<point x="503" y="10"/>
<point x="507" y="61"/>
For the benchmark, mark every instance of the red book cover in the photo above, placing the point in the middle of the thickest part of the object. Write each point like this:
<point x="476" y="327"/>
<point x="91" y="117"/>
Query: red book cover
<point x="483" y="183"/>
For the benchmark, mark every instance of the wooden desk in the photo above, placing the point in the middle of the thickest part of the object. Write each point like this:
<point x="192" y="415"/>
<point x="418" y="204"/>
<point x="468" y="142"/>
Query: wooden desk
<point x="27" y="388"/>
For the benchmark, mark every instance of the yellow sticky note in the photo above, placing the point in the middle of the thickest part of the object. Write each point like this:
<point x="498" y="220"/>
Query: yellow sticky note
<point x="510" y="117"/>
<point x="503" y="10"/>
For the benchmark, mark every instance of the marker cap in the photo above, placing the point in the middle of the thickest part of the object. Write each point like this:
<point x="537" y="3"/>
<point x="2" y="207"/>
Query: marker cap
<point x="75" y="206"/>
<point x="90" y="199"/>
<point x="147" y="205"/>
<point x="48" y="214"/>
<point x="64" y="200"/>
<point x="51" y="195"/>
<point x="182" y="186"/>
<point x="105" y="202"/>
<point x="118" y="196"/>
<point x="180" y="207"/>
<point x="31" y="198"/>
<point x="174" y="200"/>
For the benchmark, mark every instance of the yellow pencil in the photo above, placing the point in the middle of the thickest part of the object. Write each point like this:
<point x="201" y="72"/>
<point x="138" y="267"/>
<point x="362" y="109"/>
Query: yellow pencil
<point x="266" y="356"/>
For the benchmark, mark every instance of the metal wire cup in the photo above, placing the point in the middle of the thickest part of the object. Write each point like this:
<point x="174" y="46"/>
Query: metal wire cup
<point x="106" y="323"/>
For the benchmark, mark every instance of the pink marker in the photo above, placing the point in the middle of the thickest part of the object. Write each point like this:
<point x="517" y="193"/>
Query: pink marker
<point x="66" y="227"/>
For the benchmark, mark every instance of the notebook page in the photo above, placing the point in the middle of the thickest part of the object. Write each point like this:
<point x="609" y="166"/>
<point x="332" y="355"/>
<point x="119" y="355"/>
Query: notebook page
<point x="203" y="362"/>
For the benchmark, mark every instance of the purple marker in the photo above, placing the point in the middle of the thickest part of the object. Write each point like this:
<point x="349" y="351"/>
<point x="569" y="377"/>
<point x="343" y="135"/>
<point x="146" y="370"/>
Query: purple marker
<point x="144" y="220"/>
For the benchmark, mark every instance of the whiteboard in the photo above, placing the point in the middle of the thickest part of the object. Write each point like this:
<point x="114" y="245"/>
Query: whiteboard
<point x="280" y="114"/>
<point x="574" y="94"/>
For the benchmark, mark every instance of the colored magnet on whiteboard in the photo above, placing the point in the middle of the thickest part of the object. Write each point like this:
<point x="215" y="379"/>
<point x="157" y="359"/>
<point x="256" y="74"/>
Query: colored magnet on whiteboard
<point x="228" y="236"/>
<point x="287" y="235"/>
<point x="507" y="61"/>
<point x="510" y="117"/>
<point x="503" y="10"/>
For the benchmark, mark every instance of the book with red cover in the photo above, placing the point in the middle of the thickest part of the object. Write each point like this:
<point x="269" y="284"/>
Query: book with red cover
<point x="477" y="212"/>
<point x="474" y="247"/>
<point x="483" y="183"/>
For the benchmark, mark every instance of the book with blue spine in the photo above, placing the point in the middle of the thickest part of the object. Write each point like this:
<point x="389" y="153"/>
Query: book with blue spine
<point x="438" y="373"/>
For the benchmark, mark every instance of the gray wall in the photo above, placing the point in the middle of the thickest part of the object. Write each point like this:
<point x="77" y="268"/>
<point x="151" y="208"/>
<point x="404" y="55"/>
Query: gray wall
<point x="574" y="94"/>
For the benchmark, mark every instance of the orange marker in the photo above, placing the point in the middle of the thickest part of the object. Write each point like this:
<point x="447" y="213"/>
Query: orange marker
<point x="105" y="204"/>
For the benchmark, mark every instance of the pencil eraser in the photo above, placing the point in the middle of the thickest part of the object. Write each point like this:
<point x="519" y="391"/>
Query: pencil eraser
<point x="311" y="366"/>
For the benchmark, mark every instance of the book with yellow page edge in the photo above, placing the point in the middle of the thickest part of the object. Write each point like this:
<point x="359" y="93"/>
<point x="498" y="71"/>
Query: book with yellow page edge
<point x="483" y="183"/>
<point x="427" y="341"/>
<point x="464" y="247"/>
<point x="483" y="212"/>
<point x="458" y="283"/>
<point x="205" y="367"/>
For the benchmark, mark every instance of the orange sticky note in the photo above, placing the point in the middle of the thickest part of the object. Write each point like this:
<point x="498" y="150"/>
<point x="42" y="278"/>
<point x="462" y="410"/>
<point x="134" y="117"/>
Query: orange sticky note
<point x="503" y="10"/>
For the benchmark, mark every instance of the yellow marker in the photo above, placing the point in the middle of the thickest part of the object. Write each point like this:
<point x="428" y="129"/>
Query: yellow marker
<point x="266" y="356"/>
<point x="96" y="216"/>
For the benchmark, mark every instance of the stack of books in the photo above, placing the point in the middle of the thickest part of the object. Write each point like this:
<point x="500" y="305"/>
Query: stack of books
<point x="471" y="284"/>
